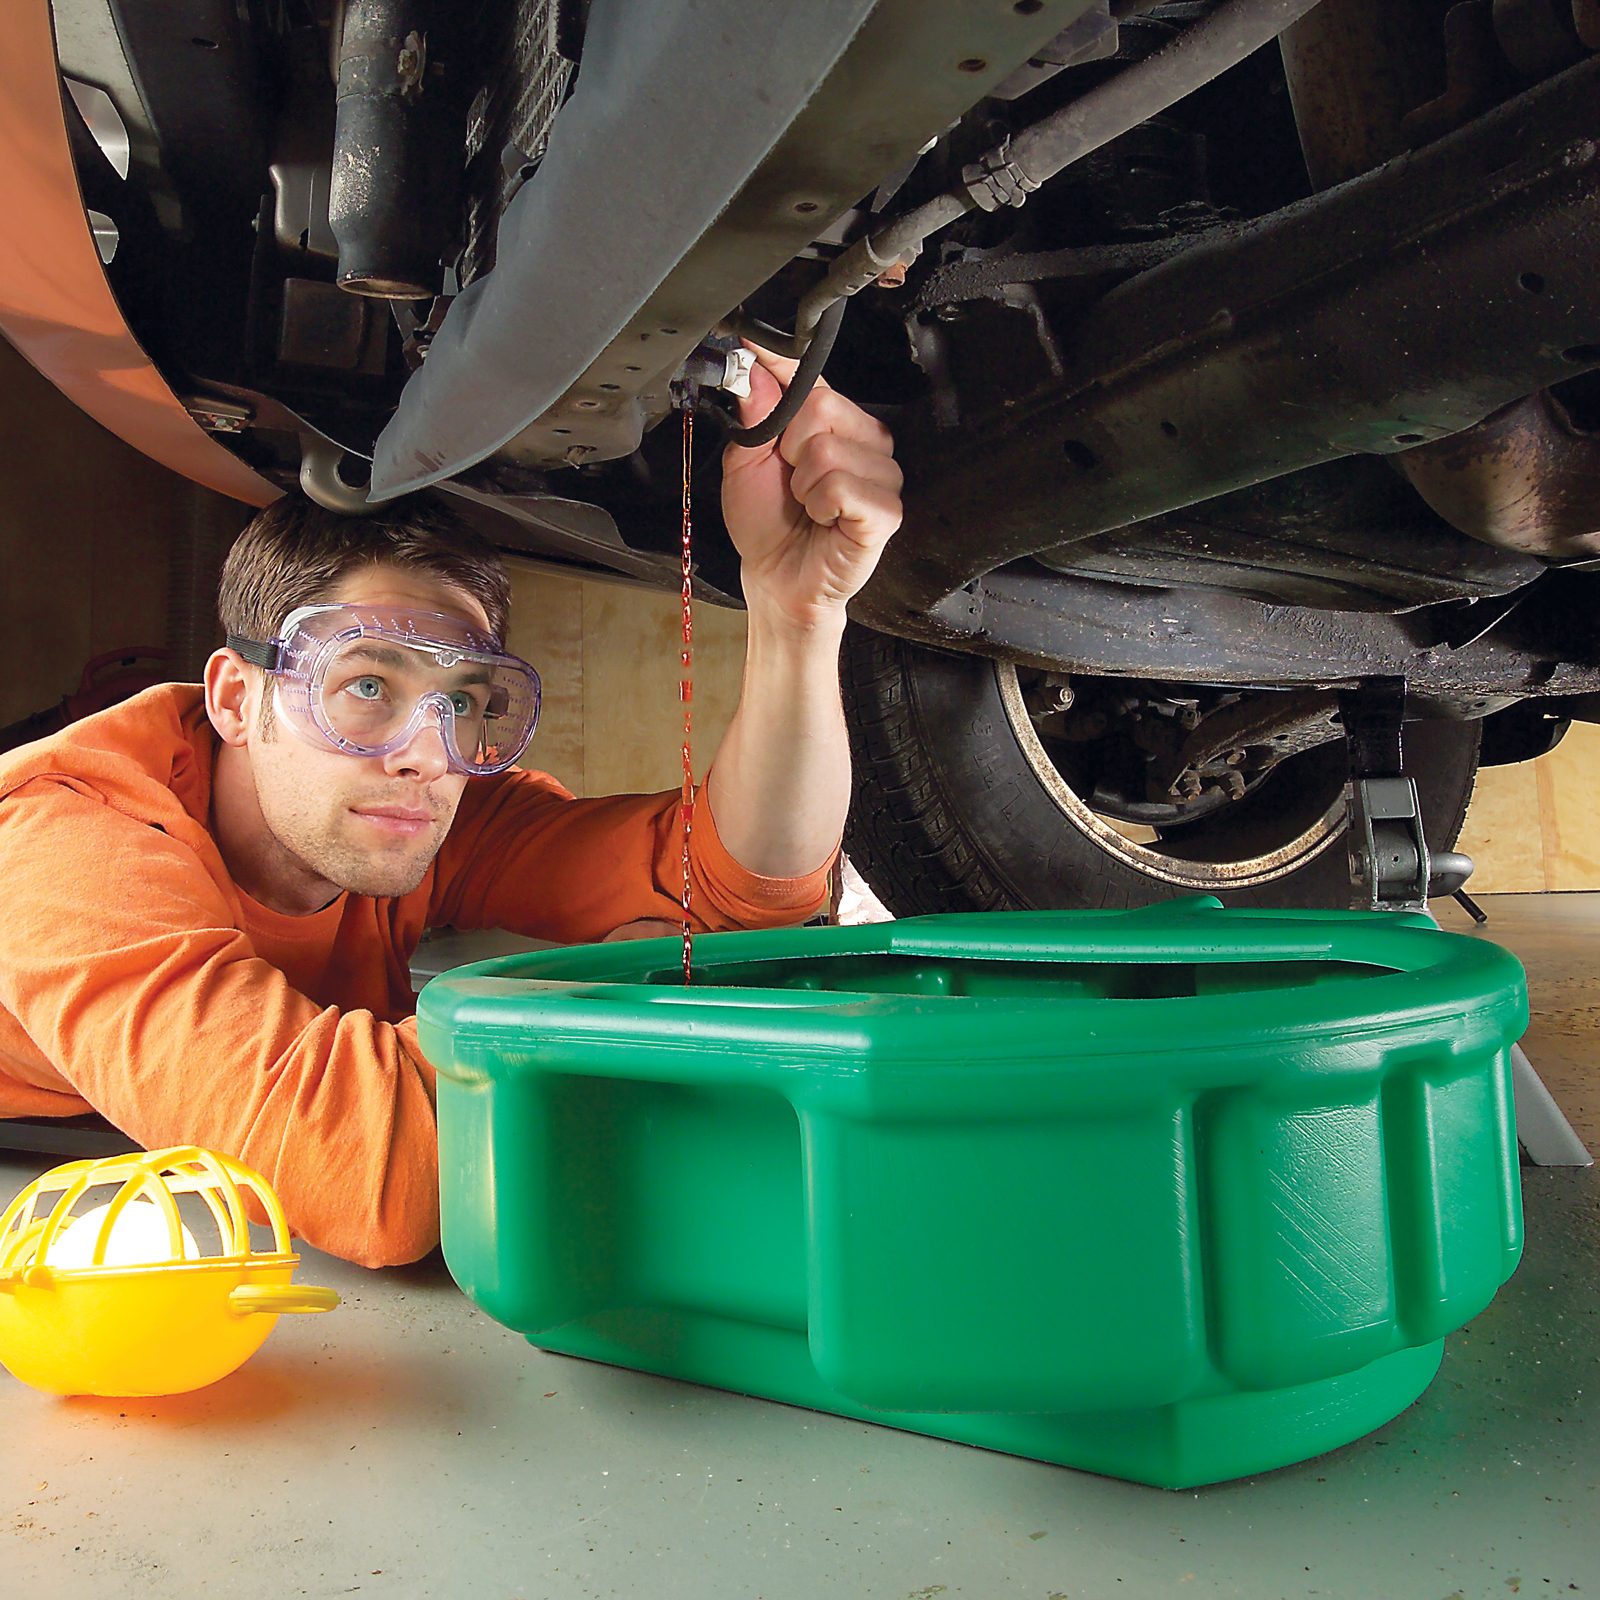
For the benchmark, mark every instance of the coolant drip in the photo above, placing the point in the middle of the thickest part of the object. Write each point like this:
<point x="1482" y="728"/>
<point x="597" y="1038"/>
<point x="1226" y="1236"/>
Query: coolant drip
<point x="686" y="692"/>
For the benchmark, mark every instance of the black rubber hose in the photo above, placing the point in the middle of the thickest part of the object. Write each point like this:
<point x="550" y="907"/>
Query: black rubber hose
<point x="800" y="385"/>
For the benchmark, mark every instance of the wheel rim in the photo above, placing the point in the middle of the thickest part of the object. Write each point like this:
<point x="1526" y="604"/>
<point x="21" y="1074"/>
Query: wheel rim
<point x="1246" y="871"/>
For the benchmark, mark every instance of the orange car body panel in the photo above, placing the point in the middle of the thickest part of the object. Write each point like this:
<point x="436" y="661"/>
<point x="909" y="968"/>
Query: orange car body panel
<point x="56" y="306"/>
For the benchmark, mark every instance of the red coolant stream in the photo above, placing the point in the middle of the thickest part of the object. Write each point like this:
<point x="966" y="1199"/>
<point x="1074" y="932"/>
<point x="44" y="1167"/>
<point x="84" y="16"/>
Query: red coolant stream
<point x="686" y="693"/>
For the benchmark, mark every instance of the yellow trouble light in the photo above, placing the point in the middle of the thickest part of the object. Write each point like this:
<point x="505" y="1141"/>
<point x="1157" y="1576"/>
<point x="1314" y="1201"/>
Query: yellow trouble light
<point x="119" y="1298"/>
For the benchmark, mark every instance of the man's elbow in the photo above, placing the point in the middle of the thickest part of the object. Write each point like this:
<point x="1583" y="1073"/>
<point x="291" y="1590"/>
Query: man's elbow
<point x="394" y="1245"/>
<point x="390" y="1231"/>
<point x="403" y="1227"/>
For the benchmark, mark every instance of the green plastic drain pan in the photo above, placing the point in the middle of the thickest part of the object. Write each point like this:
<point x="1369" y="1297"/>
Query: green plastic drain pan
<point x="1176" y="1195"/>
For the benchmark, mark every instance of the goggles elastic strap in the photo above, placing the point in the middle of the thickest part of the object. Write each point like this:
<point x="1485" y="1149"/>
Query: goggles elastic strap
<point x="255" y="652"/>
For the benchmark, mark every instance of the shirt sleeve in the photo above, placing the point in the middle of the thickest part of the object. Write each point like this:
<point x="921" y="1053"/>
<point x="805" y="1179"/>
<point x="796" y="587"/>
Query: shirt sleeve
<point x="121" y="957"/>
<point x="526" y="856"/>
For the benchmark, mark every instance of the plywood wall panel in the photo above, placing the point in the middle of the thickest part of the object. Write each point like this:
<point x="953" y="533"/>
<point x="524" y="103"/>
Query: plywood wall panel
<point x="1501" y="832"/>
<point x="633" y="717"/>
<point x="546" y="629"/>
<point x="1569" y="811"/>
<point x="631" y="676"/>
<point x="607" y="655"/>
<point x="1532" y="827"/>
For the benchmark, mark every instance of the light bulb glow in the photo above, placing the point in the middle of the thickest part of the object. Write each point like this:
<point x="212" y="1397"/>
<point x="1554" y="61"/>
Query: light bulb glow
<point x="139" y="1237"/>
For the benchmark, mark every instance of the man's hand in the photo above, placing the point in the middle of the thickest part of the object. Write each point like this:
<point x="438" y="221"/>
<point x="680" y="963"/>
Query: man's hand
<point x="811" y="512"/>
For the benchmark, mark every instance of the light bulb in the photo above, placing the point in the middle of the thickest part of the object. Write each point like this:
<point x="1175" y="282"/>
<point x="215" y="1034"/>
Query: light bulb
<point x="139" y="1237"/>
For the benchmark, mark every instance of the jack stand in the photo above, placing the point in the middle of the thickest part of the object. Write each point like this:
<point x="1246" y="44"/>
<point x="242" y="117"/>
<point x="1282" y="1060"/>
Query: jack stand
<point x="1392" y="869"/>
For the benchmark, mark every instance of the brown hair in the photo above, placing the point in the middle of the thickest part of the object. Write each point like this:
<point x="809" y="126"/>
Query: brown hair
<point x="295" y="553"/>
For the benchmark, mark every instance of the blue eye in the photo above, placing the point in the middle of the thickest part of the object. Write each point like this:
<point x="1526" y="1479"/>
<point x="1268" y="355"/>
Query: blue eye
<point x="463" y="704"/>
<point x="365" y="688"/>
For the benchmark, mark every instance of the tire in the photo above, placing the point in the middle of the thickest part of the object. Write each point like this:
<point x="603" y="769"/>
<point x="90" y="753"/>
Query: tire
<point x="958" y="807"/>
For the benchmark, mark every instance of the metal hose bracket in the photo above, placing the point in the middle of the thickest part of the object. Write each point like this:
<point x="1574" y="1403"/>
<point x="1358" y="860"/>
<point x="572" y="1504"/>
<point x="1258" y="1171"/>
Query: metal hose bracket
<point x="995" y="180"/>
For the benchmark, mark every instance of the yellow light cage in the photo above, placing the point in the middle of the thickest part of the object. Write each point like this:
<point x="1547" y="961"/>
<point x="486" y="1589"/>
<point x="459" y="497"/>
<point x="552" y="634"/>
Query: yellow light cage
<point x="147" y="1327"/>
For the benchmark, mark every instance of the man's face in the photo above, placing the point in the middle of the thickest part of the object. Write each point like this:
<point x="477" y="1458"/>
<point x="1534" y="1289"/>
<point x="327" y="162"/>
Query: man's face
<point x="369" y="824"/>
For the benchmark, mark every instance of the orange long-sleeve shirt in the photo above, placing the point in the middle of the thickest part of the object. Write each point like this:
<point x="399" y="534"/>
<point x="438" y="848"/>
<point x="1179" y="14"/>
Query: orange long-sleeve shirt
<point x="138" y="980"/>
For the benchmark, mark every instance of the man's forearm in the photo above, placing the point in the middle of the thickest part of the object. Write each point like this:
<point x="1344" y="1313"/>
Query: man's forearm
<point x="809" y="515"/>
<point x="780" y="783"/>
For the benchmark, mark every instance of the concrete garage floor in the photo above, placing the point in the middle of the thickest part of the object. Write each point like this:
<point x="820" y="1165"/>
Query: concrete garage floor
<point x="408" y="1446"/>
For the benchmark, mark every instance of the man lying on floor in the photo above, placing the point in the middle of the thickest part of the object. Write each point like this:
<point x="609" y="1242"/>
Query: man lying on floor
<point x="213" y="892"/>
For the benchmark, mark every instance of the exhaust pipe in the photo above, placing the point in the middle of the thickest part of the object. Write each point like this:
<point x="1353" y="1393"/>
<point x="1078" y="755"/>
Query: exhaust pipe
<point x="397" y="147"/>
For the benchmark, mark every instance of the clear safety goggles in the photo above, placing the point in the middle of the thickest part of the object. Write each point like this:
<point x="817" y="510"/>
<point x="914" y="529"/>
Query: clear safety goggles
<point x="365" y="680"/>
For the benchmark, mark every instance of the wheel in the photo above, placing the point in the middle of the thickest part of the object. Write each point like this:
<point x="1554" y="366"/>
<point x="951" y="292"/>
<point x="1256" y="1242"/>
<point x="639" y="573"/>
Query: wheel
<point x="962" y="805"/>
